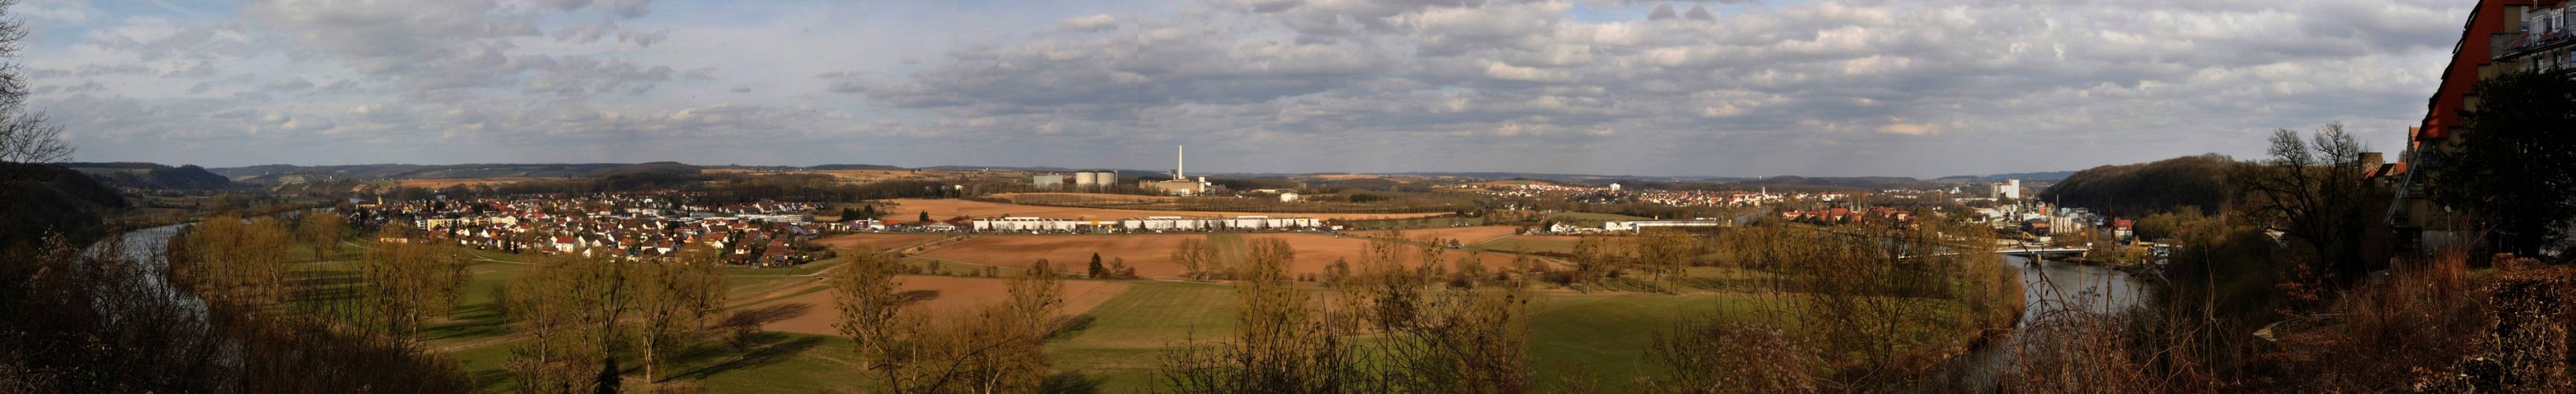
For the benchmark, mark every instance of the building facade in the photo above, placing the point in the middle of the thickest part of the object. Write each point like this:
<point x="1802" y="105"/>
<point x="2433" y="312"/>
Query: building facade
<point x="2500" y="36"/>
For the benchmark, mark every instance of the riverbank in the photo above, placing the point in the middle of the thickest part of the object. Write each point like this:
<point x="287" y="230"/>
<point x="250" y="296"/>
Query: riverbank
<point x="2047" y="287"/>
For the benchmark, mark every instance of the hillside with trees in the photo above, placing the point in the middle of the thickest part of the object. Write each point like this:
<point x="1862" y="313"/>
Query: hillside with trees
<point x="153" y="176"/>
<point x="41" y="198"/>
<point x="2137" y="189"/>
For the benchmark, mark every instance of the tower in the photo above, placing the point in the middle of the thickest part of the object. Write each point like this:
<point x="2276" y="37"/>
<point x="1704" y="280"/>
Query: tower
<point x="1180" y="162"/>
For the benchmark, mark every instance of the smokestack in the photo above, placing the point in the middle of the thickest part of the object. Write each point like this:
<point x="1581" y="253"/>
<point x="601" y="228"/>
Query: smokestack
<point x="1181" y="163"/>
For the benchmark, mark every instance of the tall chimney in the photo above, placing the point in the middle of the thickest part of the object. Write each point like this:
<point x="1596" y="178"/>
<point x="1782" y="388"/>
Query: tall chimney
<point x="1181" y="163"/>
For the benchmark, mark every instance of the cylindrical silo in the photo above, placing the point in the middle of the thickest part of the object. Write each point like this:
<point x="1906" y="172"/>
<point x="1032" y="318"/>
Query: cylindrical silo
<point x="1086" y="178"/>
<point x="1106" y="178"/>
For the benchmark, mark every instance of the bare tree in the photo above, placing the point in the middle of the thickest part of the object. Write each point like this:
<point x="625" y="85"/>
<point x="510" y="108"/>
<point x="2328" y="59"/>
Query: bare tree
<point x="1196" y="258"/>
<point x="1279" y="345"/>
<point x="870" y="303"/>
<point x="565" y="308"/>
<point x="321" y="231"/>
<point x="24" y="135"/>
<point x="669" y="295"/>
<point x="401" y="280"/>
<point x="2312" y="191"/>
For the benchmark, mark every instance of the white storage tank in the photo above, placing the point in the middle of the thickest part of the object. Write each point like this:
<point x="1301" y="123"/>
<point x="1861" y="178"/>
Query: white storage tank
<point x="1086" y="178"/>
<point x="1106" y="178"/>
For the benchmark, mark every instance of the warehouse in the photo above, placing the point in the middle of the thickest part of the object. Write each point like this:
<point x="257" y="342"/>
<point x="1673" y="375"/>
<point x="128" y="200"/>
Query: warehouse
<point x="1029" y="224"/>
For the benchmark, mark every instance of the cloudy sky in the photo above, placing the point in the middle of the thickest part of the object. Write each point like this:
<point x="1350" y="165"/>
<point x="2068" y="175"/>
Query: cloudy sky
<point x="1725" y="87"/>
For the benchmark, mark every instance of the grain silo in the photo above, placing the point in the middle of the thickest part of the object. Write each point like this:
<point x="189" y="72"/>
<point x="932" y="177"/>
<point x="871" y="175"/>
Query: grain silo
<point x="1085" y="178"/>
<point x="1107" y="178"/>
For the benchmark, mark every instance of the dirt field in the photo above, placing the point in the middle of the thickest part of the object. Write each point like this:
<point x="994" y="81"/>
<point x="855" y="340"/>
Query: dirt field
<point x="908" y="210"/>
<point x="1465" y="235"/>
<point x="879" y="241"/>
<point x="1150" y="254"/>
<point x="443" y="183"/>
<point x="958" y="297"/>
<point x="1026" y="197"/>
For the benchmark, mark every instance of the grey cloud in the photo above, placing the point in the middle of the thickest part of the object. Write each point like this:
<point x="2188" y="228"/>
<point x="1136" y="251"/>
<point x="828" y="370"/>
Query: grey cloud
<point x="591" y="32"/>
<point x="288" y="85"/>
<point x="566" y="5"/>
<point x="90" y="70"/>
<point x="585" y="32"/>
<point x="847" y="87"/>
<point x="85" y="87"/>
<point x="1360" y="83"/>
<point x="642" y="39"/>
<point x="625" y="8"/>
<point x="1823" y="74"/>
<point x="583" y="75"/>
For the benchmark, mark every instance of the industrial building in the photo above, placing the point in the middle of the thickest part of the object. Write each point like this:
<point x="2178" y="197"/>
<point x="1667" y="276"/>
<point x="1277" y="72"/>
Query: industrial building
<point x="2009" y="189"/>
<point x="1642" y="225"/>
<point x="1094" y="179"/>
<point x="1047" y="181"/>
<point x="1177" y="188"/>
<point x="1159" y="223"/>
<point x="1181" y="184"/>
<point x="1030" y="224"/>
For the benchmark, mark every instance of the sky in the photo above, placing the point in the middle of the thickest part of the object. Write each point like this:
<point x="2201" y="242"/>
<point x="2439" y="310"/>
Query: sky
<point x="1920" y="88"/>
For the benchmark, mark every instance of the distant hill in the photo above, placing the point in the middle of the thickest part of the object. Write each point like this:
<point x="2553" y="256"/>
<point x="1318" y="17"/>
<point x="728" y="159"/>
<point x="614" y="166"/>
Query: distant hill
<point x="276" y="172"/>
<point x="40" y="199"/>
<point x="1861" y="182"/>
<point x="2139" y="189"/>
<point x="2052" y="176"/>
<point x="1572" y="177"/>
<point x="664" y="168"/>
<point x="830" y="167"/>
<point x="153" y="176"/>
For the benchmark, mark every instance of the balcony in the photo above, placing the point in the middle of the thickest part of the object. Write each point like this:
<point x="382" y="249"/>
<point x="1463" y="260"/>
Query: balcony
<point x="2516" y="44"/>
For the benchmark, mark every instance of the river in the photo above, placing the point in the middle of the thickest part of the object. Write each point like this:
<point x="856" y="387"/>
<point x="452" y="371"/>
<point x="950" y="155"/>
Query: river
<point x="2050" y="286"/>
<point x="145" y="247"/>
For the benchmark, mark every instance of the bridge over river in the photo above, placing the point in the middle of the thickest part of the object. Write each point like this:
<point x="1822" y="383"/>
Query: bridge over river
<point x="2020" y="252"/>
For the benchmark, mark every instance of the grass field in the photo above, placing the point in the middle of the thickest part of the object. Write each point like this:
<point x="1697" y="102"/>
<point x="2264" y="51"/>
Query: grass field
<point x="1606" y="335"/>
<point x="1541" y="243"/>
<point x="776" y="363"/>
<point x="1128" y="335"/>
<point x="1122" y="341"/>
<point x="1127" y="326"/>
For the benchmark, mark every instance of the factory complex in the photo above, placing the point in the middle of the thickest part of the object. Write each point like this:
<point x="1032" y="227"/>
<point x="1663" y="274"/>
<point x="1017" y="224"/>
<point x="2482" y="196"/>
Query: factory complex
<point x="1180" y="183"/>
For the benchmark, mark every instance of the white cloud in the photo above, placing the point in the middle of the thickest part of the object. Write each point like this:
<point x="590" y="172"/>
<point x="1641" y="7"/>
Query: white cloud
<point x="1095" y="22"/>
